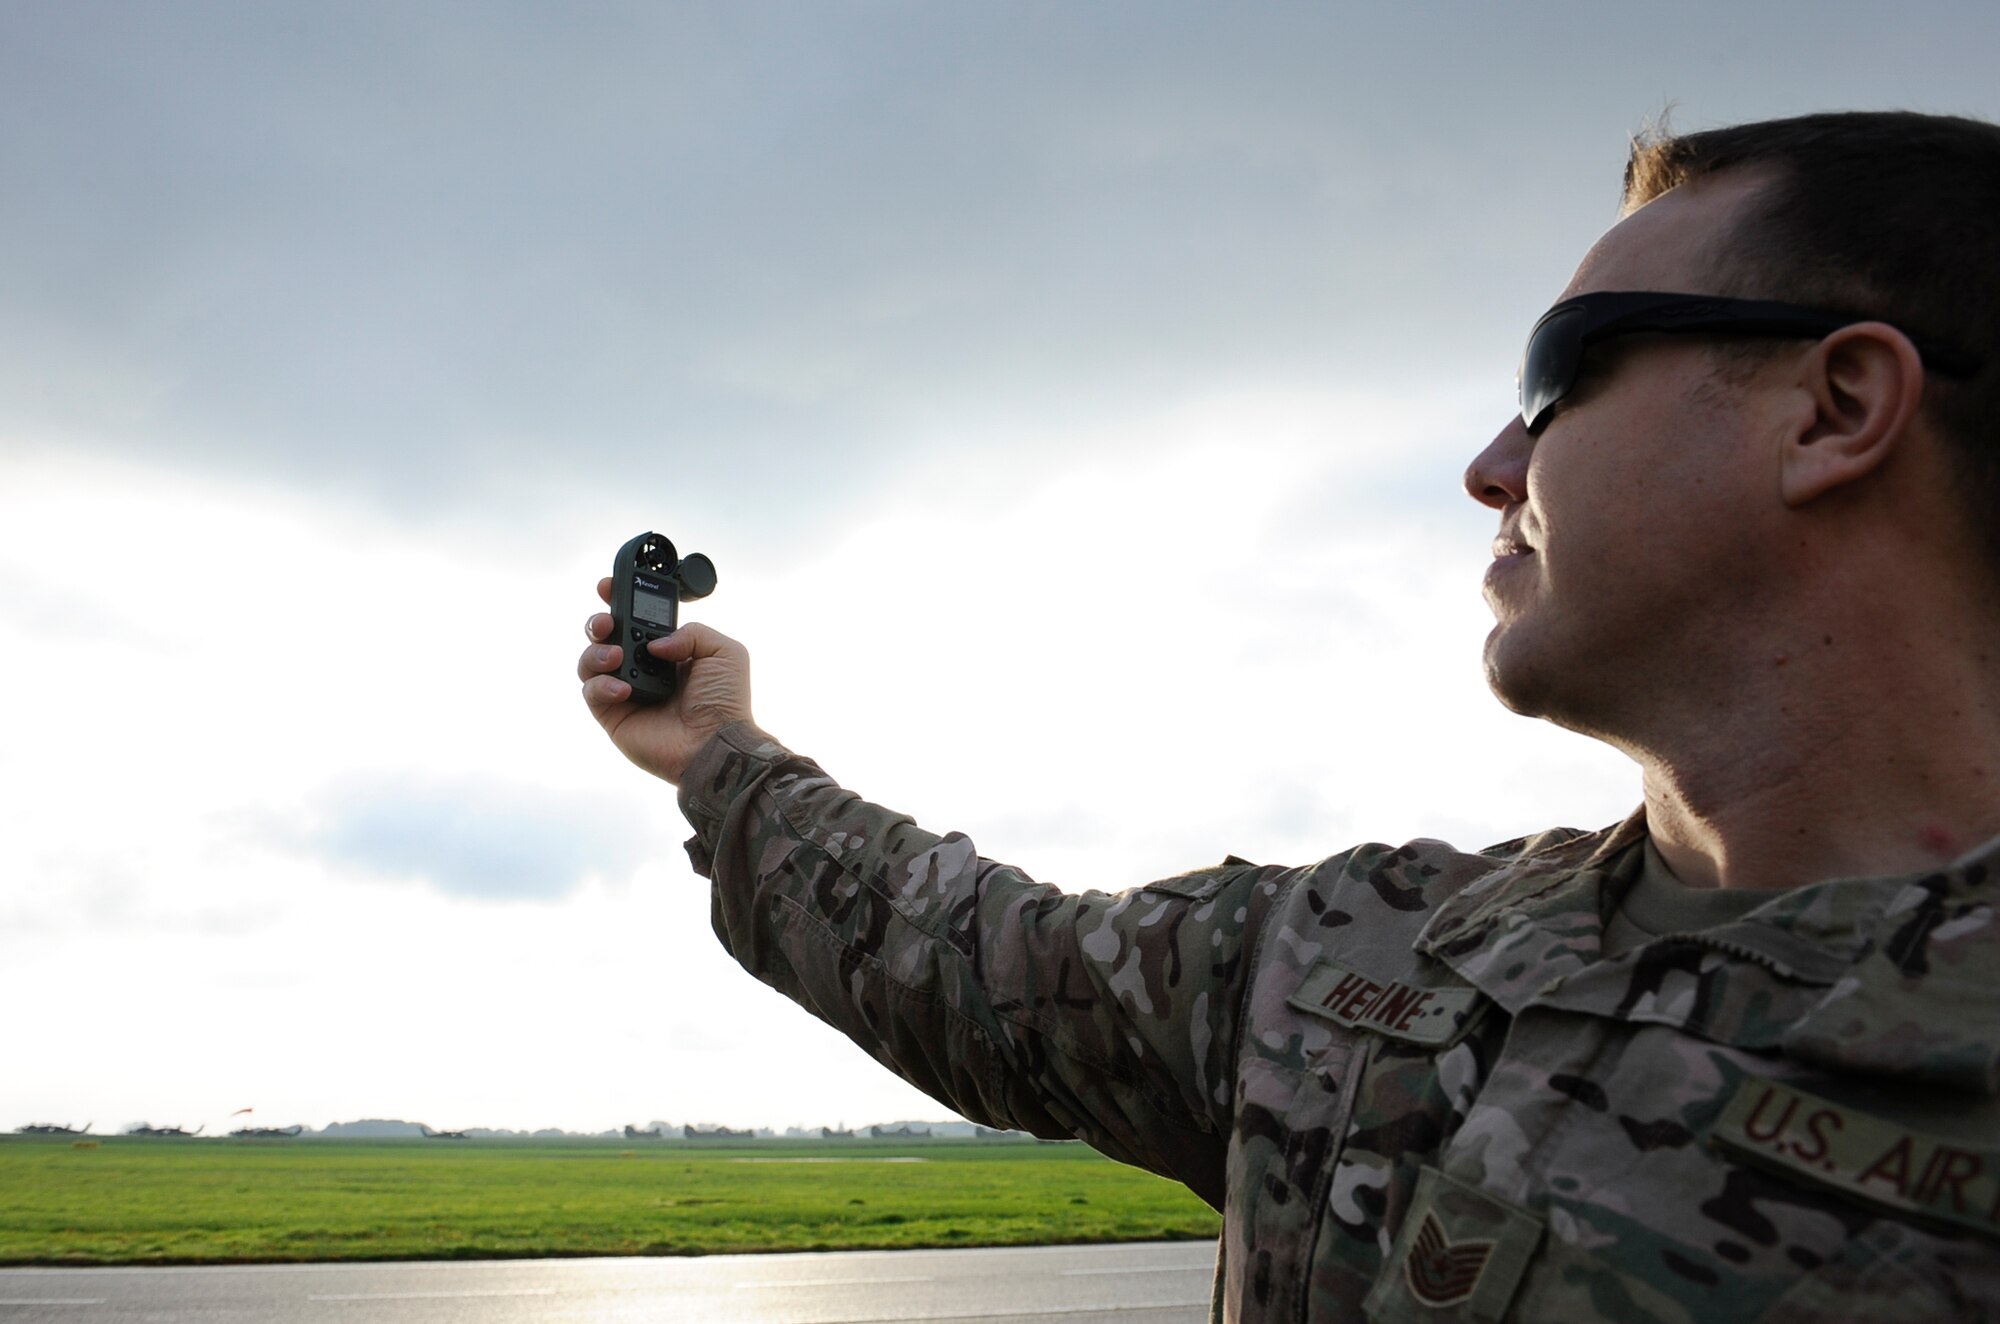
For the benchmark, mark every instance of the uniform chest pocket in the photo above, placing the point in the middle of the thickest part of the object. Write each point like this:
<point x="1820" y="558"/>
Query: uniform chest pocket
<point x="1894" y="1273"/>
<point x="1886" y="1273"/>
<point x="1289" y="1124"/>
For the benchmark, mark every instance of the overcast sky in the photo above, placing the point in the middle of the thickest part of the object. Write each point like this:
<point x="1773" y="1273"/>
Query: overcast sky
<point x="1071" y="396"/>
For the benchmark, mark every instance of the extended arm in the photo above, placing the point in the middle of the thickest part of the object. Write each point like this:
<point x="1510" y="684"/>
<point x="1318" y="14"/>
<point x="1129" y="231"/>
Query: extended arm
<point x="1111" y="1018"/>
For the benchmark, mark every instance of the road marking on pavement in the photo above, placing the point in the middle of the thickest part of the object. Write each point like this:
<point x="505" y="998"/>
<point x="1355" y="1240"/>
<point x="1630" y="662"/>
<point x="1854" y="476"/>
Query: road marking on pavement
<point x="1153" y="1268"/>
<point x="51" y="1301"/>
<point x="1022" y="1313"/>
<point x="430" y="1296"/>
<point x="834" y="1282"/>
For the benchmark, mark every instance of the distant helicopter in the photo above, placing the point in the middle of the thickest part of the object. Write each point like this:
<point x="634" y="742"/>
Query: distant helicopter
<point x="443" y="1135"/>
<point x="53" y="1129"/>
<point x="144" y="1130"/>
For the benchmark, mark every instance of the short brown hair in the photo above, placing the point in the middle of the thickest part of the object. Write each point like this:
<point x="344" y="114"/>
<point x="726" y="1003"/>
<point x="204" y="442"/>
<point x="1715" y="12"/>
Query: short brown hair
<point x="1888" y="214"/>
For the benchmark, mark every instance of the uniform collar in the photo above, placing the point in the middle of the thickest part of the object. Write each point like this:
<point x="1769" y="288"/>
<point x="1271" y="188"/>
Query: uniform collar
<point x="1534" y="920"/>
<point x="1886" y="976"/>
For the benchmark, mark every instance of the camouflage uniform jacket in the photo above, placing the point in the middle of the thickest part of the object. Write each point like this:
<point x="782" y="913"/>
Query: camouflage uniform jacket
<point x="1408" y="1076"/>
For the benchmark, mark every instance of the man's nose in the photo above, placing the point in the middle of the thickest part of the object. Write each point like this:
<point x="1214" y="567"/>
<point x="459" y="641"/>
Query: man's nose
<point x="1498" y="475"/>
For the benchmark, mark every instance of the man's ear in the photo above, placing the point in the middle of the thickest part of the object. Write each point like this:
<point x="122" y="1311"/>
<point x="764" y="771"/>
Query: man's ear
<point x="1864" y="383"/>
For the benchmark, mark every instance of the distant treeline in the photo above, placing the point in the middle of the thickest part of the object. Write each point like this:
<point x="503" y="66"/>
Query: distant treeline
<point x="382" y="1128"/>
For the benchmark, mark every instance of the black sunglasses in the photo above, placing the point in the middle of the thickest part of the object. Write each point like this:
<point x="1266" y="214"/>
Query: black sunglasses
<point x="1554" y="356"/>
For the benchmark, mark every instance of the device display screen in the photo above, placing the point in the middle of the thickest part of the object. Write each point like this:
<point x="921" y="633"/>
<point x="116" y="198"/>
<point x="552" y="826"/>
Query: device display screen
<point x="653" y="608"/>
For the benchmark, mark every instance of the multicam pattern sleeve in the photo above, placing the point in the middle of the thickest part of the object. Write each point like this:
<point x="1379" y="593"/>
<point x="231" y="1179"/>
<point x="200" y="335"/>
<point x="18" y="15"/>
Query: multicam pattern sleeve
<point x="1411" y="1076"/>
<point x="1110" y="1018"/>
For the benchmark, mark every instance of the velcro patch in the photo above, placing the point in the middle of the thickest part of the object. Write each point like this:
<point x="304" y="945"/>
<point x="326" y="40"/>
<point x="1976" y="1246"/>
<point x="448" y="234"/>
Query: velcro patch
<point x="1460" y="1254"/>
<point x="1412" y="1012"/>
<point x="1860" y="1155"/>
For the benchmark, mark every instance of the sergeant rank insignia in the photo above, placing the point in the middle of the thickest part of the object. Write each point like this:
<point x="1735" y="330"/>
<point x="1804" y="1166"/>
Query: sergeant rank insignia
<point x="1460" y="1255"/>
<point x="1440" y="1273"/>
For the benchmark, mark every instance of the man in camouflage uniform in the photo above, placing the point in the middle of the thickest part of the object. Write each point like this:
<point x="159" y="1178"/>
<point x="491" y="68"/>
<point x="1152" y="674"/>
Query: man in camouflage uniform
<point x="1736" y="1058"/>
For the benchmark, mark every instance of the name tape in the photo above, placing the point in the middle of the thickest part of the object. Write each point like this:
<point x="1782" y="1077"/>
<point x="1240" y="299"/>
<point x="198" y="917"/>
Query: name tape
<point x="1862" y="1155"/>
<point x="1411" y="1012"/>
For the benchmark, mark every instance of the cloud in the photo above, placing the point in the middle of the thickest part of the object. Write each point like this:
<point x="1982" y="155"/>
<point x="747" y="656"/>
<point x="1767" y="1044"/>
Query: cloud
<point x="483" y="840"/>
<point x="455" y="258"/>
<point x="431" y="254"/>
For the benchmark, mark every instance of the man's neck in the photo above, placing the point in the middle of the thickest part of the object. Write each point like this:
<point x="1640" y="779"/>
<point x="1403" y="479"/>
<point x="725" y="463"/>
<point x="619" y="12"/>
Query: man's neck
<point x="1798" y="785"/>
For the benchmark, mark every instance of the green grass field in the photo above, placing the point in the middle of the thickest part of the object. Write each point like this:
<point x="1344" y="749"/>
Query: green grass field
<point x="139" y="1201"/>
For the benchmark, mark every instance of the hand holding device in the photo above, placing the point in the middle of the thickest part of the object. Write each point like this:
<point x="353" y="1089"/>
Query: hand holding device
<point x="649" y="581"/>
<point x="704" y="672"/>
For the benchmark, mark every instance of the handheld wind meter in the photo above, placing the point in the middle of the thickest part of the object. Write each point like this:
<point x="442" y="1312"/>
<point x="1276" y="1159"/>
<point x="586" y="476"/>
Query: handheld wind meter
<point x="648" y="584"/>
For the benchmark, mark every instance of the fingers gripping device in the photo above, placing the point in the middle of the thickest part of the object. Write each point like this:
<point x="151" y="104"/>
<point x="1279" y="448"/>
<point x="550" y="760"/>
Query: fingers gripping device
<point x="648" y="584"/>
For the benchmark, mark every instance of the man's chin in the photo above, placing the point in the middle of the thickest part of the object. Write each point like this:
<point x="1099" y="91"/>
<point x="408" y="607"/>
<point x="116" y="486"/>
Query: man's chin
<point x="1536" y="685"/>
<point x="1511" y="678"/>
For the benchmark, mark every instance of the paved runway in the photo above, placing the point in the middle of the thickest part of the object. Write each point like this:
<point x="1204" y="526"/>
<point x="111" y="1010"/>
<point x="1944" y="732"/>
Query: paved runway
<point x="1148" y="1283"/>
